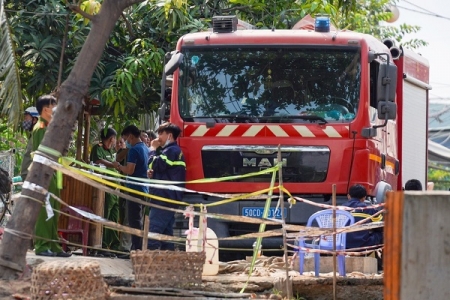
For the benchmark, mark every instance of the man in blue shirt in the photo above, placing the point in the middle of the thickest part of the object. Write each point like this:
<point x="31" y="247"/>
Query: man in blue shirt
<point x="356" y="195"/>
<point x="136" y="166"/>
<point x="166" y="163"/>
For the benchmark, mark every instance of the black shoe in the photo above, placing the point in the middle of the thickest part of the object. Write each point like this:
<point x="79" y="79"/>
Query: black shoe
<point x="95" y="253"/>
<point x="106" y="254"/>
<point x="46" y="253"/>
<point x="64" y="254"/>
<point x="124" y="256"/>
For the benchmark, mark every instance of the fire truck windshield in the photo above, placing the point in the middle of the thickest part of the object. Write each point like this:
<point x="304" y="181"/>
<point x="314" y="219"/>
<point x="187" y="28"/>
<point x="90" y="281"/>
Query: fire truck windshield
<point x="269" y="84"/>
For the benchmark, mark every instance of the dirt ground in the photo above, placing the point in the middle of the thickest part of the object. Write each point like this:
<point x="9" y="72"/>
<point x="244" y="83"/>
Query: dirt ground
<point x="17" y="289"/>
<point x="266" y="282"/>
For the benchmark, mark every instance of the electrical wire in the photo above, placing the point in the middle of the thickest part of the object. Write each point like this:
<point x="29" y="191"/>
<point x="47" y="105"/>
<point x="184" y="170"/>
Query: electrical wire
<point x="424" y="11"/>
<point x="419" y="7"/>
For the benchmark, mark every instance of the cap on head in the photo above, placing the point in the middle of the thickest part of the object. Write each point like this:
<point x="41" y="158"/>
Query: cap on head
<point x="32" y="111"/>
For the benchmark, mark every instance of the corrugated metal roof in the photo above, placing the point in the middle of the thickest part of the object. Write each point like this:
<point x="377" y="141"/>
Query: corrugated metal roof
<point x="439" y="115"/>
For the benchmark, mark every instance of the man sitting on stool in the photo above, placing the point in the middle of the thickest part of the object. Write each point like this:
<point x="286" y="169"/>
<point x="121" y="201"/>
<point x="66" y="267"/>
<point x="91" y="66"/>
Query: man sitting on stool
<point x="356" y="196"/>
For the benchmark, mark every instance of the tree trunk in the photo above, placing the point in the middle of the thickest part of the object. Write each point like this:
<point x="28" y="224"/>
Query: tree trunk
<point x="58" y="135"/>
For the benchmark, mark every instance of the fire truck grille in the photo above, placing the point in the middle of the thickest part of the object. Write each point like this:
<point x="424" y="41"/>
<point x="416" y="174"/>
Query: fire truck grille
<point x="300" y="164"/>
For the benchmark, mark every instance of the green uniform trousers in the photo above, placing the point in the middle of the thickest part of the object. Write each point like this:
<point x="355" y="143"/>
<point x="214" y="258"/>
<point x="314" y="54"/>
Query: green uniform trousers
<point x="48" y="230"/>
<point x="111" y="213"/>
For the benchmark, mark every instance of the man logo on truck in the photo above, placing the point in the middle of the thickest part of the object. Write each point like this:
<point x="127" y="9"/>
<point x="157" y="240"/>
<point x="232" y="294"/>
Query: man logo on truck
<point x="264" y="162"/>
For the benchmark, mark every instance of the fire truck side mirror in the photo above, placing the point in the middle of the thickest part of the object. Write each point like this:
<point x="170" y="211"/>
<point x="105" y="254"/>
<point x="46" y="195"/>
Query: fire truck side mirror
<point x="371" y="56"/>
<point x="162" y="112"/>
<point x="387" y="110"/>
<point x="387" y="82"/>
<point x="174" y="60"/>
<point x="173" y="63"/>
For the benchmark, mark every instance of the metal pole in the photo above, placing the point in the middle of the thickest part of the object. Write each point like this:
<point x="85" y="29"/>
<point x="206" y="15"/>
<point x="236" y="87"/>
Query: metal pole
<point x="283" y="218"/>
<point x="334" y="239"/>
<point x="145" y="236"/>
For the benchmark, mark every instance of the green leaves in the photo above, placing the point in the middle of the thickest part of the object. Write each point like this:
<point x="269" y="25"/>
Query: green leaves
<point x="440" y="175"/>
<point x="10" y="88"/>
<point x="130" y="81"/>
<point x="399" y="33"/>
<point x="37" y="30"/>
<point x="362" y="16"/>
<point x="41" y="51"/>
<point x="12" y="139"/>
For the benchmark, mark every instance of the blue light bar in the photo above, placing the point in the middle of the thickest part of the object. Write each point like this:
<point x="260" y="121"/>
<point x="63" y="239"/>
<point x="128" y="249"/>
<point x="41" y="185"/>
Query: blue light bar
<point x="322" y="24"/>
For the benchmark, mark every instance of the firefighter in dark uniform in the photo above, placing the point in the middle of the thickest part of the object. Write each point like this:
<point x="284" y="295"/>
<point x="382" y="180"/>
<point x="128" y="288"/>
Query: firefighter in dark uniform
<point x="365" y="238"/>
<point x="166" y="162"/>
<point x="356" y="195"/>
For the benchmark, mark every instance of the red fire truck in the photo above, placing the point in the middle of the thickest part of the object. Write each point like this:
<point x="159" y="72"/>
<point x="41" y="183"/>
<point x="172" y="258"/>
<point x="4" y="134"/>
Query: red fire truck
<point x="344" y="107"/>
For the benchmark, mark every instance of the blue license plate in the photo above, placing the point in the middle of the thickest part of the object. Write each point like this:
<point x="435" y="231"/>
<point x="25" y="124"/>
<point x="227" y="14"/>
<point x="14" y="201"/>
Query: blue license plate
<point x="257" y="212"/>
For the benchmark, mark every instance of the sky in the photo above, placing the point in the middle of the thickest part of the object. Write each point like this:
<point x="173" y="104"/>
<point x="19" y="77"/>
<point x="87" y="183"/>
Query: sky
<point x="433" y="16"/>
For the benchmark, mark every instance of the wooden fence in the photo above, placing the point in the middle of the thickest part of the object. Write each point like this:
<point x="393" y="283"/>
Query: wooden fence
<point x="77" y="193"/>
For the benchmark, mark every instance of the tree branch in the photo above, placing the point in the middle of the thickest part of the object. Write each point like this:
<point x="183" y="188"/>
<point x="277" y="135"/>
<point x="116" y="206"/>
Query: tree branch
<point x="243" y="7"/>
<point x="129" y="27"/>
<point x="63" y="48"/>
<point x="77" y="9"/>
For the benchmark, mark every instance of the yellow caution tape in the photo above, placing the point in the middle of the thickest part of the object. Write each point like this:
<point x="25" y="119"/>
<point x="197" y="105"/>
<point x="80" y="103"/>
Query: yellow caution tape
<point x="69" y="160"/>
<point x="124" y="188"/>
